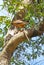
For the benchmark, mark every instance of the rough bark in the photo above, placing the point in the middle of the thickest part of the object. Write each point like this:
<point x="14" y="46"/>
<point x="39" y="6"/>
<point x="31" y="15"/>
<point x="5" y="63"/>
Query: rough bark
<point x="15" y="40"/>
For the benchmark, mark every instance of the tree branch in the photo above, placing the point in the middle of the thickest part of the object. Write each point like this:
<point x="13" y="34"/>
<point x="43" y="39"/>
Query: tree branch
<point x="19" y="37"/>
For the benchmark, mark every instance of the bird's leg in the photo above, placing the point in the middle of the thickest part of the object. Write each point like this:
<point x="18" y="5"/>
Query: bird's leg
<point x="23" y="29"/>
<point x="15" y="30"/>
<point x="26" y="35"/>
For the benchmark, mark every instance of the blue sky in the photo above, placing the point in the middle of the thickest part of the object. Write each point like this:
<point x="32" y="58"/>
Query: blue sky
<point x="3" y="12"/>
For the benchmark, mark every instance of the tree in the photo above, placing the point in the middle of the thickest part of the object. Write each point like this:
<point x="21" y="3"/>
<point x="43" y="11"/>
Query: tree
<point x="24" y="10"/>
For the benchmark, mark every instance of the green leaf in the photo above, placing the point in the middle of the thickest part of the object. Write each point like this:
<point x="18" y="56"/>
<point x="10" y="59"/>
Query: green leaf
<point x="0" y="30"/>
<point x="32" y="23"/>
<point x="1" y="41"/>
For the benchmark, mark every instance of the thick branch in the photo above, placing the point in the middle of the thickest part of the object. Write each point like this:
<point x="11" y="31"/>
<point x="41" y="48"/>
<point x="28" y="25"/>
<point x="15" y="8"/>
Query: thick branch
<point x="19" y="37"/>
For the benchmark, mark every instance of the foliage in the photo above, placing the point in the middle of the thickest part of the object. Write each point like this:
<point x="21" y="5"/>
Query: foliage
<point x="34" y="14"/>
<point x="35" y="9"/>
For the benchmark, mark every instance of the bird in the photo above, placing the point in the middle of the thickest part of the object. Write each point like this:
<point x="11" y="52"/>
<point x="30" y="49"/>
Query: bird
<point x="20" y="24"/>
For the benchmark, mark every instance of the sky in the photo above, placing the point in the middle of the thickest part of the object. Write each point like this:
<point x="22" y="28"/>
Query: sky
<point x="3" y="12"/>
<point x="32" y="62"/>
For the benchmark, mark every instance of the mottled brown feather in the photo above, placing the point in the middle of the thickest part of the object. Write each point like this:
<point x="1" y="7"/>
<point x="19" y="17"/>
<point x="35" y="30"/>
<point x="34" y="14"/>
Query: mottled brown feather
<point x="19" y="23"/>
